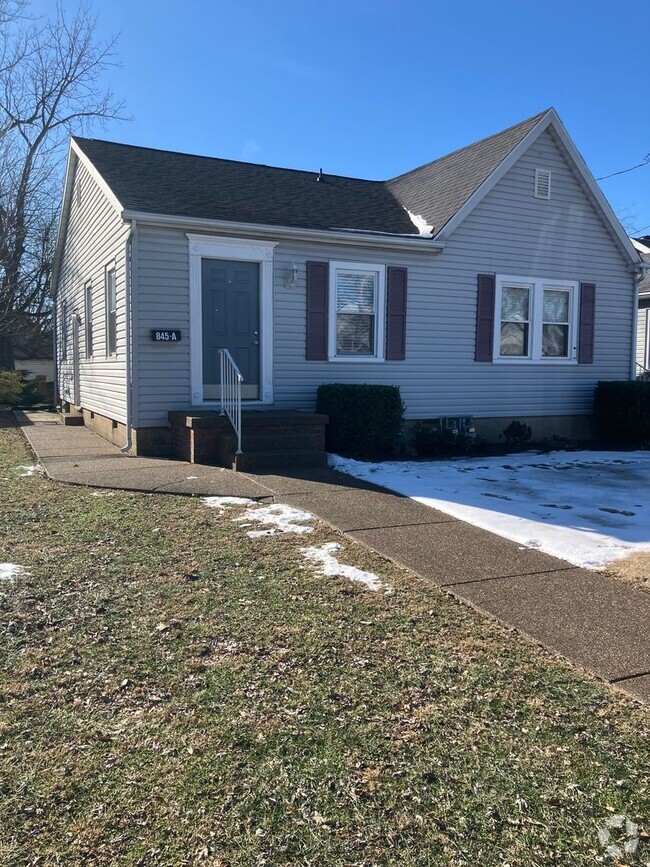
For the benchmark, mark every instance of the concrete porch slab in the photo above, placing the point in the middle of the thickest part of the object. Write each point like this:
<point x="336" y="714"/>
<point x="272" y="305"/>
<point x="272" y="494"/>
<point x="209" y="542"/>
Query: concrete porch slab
<point x="595" y="621"/>
<point x="306" y="481"/>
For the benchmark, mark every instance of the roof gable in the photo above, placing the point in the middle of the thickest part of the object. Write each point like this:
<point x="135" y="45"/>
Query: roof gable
<point x="437" y="190"/>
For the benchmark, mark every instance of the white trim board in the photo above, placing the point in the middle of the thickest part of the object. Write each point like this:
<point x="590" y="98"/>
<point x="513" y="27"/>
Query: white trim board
<point x="242" y="250"/>
<point x="345" y="237"/>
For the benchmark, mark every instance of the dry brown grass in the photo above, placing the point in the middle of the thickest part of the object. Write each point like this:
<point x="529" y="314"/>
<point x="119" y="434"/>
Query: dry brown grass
<point x="635" y="569"/>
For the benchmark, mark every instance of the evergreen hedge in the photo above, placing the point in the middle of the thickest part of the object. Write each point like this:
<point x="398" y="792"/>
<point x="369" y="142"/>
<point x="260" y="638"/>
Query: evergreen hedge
<point x="365" y="421"/>
<point x="622" y="412"/>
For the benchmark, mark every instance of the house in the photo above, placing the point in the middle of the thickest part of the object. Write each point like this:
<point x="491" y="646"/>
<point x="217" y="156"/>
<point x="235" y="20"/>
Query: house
<point x="642" y="246"/>
<point x="33" y="352"/>
<point x="494" y="282"/>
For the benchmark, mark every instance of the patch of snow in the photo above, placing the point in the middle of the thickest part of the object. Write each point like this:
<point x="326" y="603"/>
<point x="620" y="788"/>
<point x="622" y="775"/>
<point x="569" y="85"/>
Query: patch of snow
<point x="639" y="246"/>
<point x="31" y="470"/>
<point x="191" y="477"/>
<point x="8" y="571"/>
<point x="222" y="503"/>
<point x="103" y="493"/>
<point x="424" y="229"/>
<point x="584" y="507"/>
<point x="329" y="565"/>
<point x="278" y="518"/>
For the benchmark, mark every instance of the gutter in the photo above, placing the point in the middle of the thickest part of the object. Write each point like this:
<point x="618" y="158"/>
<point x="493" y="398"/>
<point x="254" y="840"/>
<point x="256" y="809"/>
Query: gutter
<point x="128" y="327"/>
<point x="263" y="230"/>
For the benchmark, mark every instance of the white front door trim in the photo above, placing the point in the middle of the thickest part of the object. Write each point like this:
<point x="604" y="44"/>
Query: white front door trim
<point x="241" y="250"/>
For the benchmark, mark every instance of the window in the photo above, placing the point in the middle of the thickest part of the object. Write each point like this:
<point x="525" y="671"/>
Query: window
<point x="537" y="320"/>
<point x="111" y="313"/>
<point x="88" y="298"/>
<point x="357" y="300"/>
<point x="64" y="331"/>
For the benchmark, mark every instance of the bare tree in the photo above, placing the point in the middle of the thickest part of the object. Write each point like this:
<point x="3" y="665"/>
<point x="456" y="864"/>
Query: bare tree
<point x="50" y="87"/>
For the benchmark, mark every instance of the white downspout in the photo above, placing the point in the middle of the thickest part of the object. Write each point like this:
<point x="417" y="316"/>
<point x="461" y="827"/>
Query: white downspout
<point x="128" y="361"/>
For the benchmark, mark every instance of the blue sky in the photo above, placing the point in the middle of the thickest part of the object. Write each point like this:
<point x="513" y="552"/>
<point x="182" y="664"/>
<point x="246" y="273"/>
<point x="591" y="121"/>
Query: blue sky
<point x="372" y="88"/>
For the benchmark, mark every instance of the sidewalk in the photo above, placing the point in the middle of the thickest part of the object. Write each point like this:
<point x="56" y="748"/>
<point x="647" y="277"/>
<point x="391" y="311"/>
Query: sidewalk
<point x="596" y="622"/>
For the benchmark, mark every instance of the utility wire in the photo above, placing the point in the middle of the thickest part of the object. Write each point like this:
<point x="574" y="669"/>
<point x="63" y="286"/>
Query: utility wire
<point x="646" y="161"/>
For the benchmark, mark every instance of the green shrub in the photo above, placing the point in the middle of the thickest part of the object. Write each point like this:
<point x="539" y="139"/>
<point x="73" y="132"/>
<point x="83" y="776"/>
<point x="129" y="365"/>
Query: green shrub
<point x="517" y="433"/>
<point x="365" y="421"/>
<point x="11" y="386"/>
<point x="622" y="412"/>
<point x="431" y="441"/>
<point x="17" y="390"/>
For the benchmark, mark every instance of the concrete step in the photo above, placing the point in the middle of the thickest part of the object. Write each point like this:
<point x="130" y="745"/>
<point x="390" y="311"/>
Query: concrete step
<point x="71" y="419"/>
<point x="277" y="439"/>
<point x="260" y="461"/>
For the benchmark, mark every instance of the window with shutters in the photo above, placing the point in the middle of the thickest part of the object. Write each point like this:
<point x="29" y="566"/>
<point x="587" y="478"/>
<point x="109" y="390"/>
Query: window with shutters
<point x="536" y="320"/>
<point x="357" y="299"/>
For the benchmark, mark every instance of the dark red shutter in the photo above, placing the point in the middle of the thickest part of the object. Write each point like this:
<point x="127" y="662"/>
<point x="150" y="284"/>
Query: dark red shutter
<point x="587" y="319"/>
<point x="485" y="318"/>
<point x="317" y="310"/>
<point x="396" y="314"/>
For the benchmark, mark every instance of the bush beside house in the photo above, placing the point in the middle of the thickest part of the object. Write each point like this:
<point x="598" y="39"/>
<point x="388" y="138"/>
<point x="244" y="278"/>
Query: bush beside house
<point x="622" y="412"/>
<point x="365" y="420"/>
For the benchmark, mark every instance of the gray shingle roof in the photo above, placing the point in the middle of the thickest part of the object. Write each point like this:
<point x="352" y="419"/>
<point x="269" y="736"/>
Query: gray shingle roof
<point x="437" y="190"/>
<point x="184" y="185"/>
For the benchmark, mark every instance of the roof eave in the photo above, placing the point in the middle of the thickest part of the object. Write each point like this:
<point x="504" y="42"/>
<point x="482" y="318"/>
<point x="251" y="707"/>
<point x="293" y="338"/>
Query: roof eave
<point x="353" y="238"/>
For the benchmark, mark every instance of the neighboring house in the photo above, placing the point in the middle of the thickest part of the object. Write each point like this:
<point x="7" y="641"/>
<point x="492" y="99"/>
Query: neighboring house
<point x="494" y="282"/>
<point x="34" y="354"/>
<point x="642" y="246"/>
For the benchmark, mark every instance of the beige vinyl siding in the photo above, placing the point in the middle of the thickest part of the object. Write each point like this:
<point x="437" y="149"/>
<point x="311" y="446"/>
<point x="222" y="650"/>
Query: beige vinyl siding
<point x="509" y="232"/>
<point x="95" y="239"/>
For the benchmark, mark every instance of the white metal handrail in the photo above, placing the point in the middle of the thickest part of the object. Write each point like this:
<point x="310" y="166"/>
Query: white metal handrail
<point x="231" y="380"/>
<point x="642" y="372"/>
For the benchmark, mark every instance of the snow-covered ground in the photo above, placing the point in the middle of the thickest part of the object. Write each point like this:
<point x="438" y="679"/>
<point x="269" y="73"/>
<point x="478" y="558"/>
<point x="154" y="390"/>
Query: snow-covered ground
<point x="589" y="508"/>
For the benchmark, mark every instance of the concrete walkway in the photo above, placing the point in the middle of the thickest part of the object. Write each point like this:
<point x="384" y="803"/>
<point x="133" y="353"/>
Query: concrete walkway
<point x="596" y="622"/>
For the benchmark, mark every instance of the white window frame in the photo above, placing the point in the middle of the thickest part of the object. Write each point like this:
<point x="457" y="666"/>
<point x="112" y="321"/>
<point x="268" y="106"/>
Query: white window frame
<point x="89" y="334"/>
<point x="64" y="331"/>
<point x="240" y="250"/>
<point x="536" y="319"/>
<point x="110" y="266"/>
<point x="380" y="313"/>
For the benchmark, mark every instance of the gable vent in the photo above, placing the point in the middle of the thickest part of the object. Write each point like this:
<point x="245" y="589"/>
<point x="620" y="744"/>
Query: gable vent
<point x="542" y="184"/>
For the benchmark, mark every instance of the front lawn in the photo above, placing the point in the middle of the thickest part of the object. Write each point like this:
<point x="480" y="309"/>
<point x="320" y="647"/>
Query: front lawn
<point x="174" y="692"/>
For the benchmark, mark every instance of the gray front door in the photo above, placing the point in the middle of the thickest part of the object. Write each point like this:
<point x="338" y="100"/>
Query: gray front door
<point x="230" y="299"/>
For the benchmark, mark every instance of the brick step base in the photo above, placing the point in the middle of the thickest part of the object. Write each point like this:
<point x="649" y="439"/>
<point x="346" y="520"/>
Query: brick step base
<point x="270" y="440"/>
